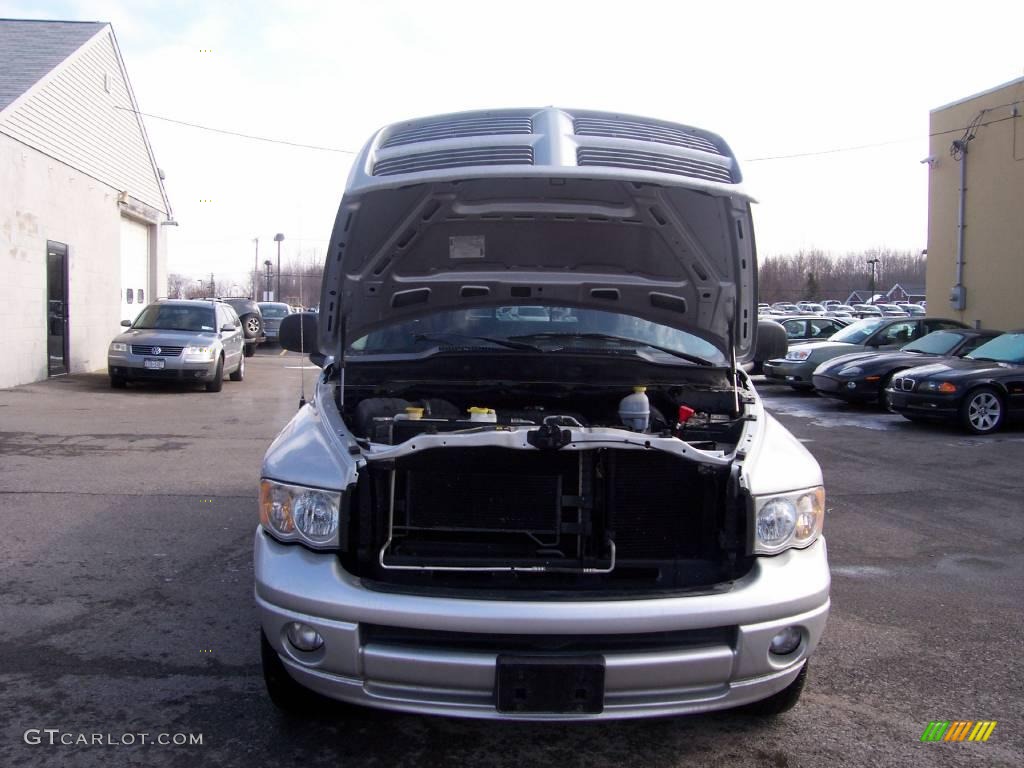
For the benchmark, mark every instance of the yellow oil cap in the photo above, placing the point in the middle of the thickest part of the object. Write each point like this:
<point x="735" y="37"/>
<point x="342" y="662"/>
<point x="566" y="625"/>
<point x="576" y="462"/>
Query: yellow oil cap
<point x="639" y="390"/>
<point x="413" y="412"/>
<point x="477" y="409"/>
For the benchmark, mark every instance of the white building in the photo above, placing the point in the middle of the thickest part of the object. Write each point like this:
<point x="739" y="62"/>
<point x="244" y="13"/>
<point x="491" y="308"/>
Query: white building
<point x="81" y="199"/>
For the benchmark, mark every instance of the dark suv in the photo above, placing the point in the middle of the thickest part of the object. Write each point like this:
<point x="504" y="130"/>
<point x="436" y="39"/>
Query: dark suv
<point x="248" y="312"/>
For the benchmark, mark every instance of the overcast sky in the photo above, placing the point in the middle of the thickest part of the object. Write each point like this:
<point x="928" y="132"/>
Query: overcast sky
<point x="773" y="78"/>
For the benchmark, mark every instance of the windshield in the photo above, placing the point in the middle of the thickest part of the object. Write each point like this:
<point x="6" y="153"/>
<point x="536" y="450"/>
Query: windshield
<point x="175" y="317"/>
<point x="1008" y="348"/>
<point x="935" y="343"/>
<point x="274" y="310"/>
<point x="856" y="333"/>
<point x="507" y="327"/>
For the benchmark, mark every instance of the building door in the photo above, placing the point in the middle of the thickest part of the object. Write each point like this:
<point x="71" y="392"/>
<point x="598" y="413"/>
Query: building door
<point x="134" y="268"/>
<point x="56" y="308"/>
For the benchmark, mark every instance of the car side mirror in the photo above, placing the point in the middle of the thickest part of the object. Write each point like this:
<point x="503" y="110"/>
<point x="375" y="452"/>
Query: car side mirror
<point x="126" y="323"/>
<point x="298" y="332"/>
<point x="227" y="328"/>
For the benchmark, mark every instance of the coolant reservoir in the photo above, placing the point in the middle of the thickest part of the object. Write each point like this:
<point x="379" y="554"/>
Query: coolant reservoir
<point x="482" y="414"/>
<point x="635" y="410"/>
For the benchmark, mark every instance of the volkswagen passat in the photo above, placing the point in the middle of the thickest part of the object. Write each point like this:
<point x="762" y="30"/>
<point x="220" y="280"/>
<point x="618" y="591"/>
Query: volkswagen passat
<point x="179" y="340"/>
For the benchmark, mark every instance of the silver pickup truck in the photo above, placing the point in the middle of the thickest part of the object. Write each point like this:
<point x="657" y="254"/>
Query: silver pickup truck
<point x="534" y="481"/>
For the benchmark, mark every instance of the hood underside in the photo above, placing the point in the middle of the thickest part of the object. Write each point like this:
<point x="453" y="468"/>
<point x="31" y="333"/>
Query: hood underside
<point x="673" y="255"/>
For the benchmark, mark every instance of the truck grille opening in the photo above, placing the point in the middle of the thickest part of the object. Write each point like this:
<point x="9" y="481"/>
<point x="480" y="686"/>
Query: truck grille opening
<point x="459" y="518"/>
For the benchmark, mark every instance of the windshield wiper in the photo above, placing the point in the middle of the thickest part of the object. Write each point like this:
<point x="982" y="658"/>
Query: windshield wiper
<point x="610" y="337"/>
<point x="448" y="335"/>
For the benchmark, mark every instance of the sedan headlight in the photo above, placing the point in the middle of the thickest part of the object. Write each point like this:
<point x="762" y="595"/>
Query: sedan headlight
<point x="945" y="387"/>
<point x="196" y="354"/>
<point x="297" y="513"/>
<point x="117" y="346"/>
<point x="798" y="354"/>
<point x="853" y="370"/>
<point x="788" y="520"/>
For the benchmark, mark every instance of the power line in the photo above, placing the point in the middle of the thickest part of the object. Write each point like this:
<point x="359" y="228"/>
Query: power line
<point x="791" y="156"/>
<point x="240" y="135"/>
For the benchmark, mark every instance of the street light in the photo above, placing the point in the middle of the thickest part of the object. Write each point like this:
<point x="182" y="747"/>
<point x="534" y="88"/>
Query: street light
<point x="266" y="283"/>
<point x="277" y="239"/>
<point x="873" y="262"/>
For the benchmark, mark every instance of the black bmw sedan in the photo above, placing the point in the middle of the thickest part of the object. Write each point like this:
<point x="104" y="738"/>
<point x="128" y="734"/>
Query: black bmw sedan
<point x="981" y="390"/>
<point x="864" y="376"/>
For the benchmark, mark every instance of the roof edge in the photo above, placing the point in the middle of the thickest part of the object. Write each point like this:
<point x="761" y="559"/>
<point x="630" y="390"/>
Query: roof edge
<point x="986" y="92"/>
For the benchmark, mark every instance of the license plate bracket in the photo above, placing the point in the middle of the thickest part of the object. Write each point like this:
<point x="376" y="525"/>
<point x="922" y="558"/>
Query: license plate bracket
<point x="153" y="364"/>
<point x="550" y="684"/>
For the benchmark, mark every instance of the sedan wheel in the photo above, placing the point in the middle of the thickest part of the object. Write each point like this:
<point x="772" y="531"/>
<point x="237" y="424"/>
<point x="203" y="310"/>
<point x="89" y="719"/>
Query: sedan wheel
<point x="982" y="411"/>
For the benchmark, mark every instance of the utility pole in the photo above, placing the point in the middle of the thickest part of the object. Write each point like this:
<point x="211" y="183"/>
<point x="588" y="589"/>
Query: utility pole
<point x="213" y="287"/>
<point x="873" y="262"/>
<point x="277" y="239"/>
<point x="266" y="283"/>
<point x="256" y="271"/>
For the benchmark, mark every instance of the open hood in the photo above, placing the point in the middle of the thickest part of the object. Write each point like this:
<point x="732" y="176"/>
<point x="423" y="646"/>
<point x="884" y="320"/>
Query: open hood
<point x="661" y="246"/>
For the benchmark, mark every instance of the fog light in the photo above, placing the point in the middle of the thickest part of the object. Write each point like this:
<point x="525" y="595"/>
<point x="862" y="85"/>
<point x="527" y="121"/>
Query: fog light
<point x="851" y="385"/>
<point x="786" y="641"/>
<point x="304" y="637"/>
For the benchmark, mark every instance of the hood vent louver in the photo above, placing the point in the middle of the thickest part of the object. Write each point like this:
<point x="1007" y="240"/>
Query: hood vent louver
<point x="454" y="158"/>
<point x="457" y="128"/>
<point x="643" y="131"/>
<point x="655" y="161"/>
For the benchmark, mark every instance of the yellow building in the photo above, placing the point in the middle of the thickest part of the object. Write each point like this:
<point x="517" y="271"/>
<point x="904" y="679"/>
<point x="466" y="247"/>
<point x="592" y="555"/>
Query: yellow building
<point x="976" y="209"/>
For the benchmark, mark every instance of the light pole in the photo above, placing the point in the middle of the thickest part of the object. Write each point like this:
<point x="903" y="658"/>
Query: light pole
<point x="256" y="271"/>
<point x="266" y="283"/>
<point x="873" y="262"/>
<point x="277" y="239"/>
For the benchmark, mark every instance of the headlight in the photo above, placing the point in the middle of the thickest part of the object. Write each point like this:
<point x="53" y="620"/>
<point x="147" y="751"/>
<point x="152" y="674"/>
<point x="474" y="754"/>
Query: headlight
<point x="297" y="513"/>
<point x="788" y="520"/>
<point x="853" y="370"/>
<point x="798" y="354"/>
<point x="197" y="354"/>
<point x="946" y="387"/>
<point x="117" y="346"/>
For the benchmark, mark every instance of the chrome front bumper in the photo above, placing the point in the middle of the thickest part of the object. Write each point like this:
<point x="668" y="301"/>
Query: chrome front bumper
<point x="295" y="584"/>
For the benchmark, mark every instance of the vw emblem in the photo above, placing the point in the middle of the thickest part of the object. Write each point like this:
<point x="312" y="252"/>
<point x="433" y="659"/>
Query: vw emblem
<point x="157" y="350"/>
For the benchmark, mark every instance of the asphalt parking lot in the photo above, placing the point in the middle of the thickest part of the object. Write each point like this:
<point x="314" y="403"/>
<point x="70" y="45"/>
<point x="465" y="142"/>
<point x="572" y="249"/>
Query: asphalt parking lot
<point x="126" y="596"/>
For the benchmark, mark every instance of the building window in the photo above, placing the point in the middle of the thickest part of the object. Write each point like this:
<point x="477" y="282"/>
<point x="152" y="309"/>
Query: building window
<point x="142" y="297"/>
<point x="129" y="296"/>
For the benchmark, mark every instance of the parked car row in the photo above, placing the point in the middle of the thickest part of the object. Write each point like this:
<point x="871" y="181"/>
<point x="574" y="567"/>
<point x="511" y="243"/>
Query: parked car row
<point x="923" y="369"/>
<point x="834" y="308"/>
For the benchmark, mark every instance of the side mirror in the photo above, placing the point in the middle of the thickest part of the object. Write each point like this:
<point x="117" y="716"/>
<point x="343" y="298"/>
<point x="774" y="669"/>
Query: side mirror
<point x="126" y="323"/>
<point x="227" y="328"/>
<point x="298" y="332"/>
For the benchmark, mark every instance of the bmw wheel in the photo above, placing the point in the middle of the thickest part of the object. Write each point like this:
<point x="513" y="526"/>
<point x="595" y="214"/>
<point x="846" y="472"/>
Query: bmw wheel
<point x="982" y="411"/>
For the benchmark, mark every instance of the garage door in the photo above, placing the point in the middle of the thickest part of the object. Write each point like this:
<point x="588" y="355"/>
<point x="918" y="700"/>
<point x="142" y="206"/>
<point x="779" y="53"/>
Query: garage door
<point x="134" y="268"/>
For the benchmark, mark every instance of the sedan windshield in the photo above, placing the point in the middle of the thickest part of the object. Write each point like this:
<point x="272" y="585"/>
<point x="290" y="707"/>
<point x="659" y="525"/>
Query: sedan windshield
<point x="175" y="317"/>
<point x="1008" y="348"/>
<point x="857" y="333"/>
<point x="936" y="343"/>
<point x="555" y="329"/>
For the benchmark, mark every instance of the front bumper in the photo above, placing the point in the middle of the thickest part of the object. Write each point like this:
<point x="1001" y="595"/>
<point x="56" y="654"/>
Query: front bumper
<point x="924" y="405"/>
<point x="794" y="372"/>
<point x="712" y="670"/>
<point x="133" y="367"/>
<point x="848" y="389"/>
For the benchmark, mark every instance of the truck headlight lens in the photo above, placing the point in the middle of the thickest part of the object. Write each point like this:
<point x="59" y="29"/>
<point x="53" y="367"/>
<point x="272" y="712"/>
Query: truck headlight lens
<point x="195" y="354"/>
<point x="788" y="520"/>
<point x="297" y="513"/>
<point x="798" y="354"/>
<point x="117" y="346"/>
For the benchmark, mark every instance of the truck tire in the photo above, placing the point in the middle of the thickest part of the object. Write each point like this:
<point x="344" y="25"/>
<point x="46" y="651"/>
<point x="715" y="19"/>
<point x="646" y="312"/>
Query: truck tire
<point x="287" y="695"/>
